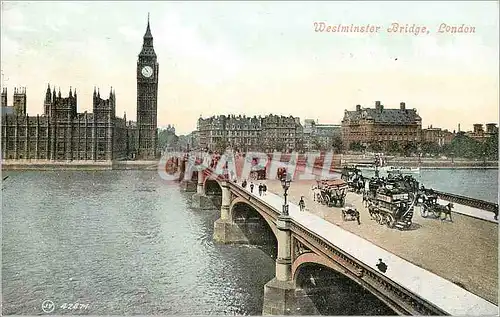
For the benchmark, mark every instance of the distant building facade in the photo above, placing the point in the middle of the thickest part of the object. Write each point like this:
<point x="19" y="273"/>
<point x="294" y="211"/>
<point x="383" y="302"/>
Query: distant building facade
<point x="379" y="125"/>
<point x="319" y="136"/>
<point x="244" y="133"/>
<point x="480" y="134"/>
<point x="437" y="135"/>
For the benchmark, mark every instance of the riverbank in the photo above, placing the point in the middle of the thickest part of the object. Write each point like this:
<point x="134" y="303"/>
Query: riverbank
<point x="45" y="165"/>
<point x="428" y="163"/>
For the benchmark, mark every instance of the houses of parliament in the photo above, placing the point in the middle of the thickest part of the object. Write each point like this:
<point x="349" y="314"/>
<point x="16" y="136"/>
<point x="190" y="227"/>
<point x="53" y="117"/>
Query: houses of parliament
<point x="63" y="134"/>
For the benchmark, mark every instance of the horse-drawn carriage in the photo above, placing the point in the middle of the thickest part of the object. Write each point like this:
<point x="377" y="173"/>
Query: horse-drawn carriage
<point x="392" y="207"/>
<point x="257" y="171"/>
<point x="428" y="202"/>
<point x="354" y="178"/>
<point x="331" y="192"/>
<point x="350" y="213"/>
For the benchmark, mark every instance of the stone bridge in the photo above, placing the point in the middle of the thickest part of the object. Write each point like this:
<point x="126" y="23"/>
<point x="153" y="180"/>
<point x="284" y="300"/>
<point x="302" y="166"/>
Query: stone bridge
<point x="307" y="245"/>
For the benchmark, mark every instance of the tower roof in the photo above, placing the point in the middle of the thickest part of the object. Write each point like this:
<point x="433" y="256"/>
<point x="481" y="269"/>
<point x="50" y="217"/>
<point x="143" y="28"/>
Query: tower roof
<point x="148" y="35"/>
<point x="147" y="45"/>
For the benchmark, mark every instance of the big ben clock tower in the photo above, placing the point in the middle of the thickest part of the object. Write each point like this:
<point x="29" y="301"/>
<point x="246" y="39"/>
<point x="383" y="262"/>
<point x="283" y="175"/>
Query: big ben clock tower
<point x="147" y="94"/>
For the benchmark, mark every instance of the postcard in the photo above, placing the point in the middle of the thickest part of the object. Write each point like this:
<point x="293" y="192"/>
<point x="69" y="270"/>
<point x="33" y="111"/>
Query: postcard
<point x="249" y="158"/>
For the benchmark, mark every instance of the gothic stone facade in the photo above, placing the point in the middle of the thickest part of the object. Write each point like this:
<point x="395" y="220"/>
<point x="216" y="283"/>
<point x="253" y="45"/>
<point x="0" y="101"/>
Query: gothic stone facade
<point x="368" y="126"/>
<point x="63" y="134"/>
<point x="147" y="95"/>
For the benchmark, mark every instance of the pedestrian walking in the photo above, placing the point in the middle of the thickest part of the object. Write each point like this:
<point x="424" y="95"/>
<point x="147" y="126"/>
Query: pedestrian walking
<point x="244" y="183"/>
<point x="264" y="189"/>
<point x="251" y="187"/>
<point x="260" y="189"/>
<point x="302" y="204"/>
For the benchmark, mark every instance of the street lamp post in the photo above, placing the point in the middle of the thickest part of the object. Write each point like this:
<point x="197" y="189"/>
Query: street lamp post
<point x="285" y="183"/>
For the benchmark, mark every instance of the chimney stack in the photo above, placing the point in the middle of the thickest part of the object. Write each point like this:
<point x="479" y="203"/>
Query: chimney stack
<point x="358" y="107"/>
<point x="402" y="105"/>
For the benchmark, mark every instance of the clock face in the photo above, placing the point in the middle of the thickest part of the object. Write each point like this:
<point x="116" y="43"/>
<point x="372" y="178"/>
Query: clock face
<point x="147" y="71"/>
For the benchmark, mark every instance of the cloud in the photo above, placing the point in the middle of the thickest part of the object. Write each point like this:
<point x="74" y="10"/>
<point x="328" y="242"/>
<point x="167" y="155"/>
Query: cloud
<point x="209" y="60"/>
<point x="130" y="35"/>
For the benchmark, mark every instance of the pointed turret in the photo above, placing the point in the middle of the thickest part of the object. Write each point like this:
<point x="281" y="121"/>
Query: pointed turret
<point x="98" y="93"/>
<point x="48" y="94"/>
<point x="111" y="93"/>
<point x="148" y="35"/>
<point x="59" y="94"/>
<point x="54" y="94"/>
<point x="70" y="92"/>
<point x="147" y="45"/>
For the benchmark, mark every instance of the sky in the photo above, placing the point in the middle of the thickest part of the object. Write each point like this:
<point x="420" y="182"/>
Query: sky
<point x="257" y="58"/>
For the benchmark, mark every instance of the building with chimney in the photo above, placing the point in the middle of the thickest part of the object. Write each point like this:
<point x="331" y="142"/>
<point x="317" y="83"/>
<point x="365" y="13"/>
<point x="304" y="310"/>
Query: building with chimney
<point x="480" y="134"/>
<point x="379" y="126"/>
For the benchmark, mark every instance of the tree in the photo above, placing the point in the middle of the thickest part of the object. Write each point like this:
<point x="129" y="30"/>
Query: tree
<point x="166" y="139"/>
<point x="357" y="146"/>
<point x="491" y="147"/>
<point x="375" y="147"/>
<point x="466" y="147"/>
<point x="337" y="144"/>
<point x="393" y="147"/>
<point x="410" y="148"/>
<point x="431" y="148"/>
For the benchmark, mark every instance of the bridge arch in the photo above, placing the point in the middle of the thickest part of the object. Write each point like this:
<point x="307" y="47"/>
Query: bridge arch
<point x="211" y="186"/>
<point x="235" y="211"/>
<point x="332" y="290"/>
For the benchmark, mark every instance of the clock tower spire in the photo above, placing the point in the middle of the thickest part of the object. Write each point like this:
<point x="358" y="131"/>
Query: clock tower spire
<point x="147" y="94"/>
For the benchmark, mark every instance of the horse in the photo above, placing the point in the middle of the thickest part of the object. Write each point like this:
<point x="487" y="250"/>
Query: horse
<point x="438" y="210"/>
<point x="446" y="210"/>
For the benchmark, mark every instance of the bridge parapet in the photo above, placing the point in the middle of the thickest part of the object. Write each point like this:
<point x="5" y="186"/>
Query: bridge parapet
<point x="468" y="201"/>
<point x="305" y="238"/>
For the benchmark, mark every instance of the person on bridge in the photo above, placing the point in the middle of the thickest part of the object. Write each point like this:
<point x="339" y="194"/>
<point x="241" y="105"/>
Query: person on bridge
<point x="244" y="183"/>
<point x="264" y="189"/>
<point x="261" y="189"/>
<point x="302" y="204"/>
<point x="251" y="187"/>
<point x="381" y="266"/>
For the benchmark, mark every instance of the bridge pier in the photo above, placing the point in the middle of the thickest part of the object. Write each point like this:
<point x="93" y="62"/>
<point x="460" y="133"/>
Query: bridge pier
<point x="186" y="185"/>
<point x="279" y="293"/>
<point x="225" y="230"/>
<point x="200" y="200"/>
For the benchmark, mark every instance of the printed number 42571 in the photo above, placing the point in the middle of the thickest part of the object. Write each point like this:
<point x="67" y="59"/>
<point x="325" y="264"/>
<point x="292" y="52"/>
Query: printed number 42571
<point x="74" y="306"/>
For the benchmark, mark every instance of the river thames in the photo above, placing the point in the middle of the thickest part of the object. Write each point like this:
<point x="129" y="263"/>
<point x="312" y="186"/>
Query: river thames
<point x="126" y="242"/>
